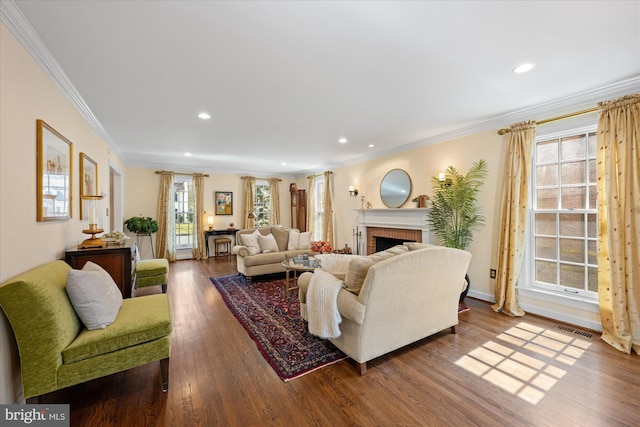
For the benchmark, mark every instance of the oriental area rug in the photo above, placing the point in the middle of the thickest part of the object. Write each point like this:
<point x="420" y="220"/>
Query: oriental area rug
<point x="273" y="321"/>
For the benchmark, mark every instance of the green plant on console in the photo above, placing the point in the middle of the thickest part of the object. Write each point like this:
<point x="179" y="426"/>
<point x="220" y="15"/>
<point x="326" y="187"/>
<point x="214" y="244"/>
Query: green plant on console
<point x="454" y="215"/>
<point x="141" y="225"/>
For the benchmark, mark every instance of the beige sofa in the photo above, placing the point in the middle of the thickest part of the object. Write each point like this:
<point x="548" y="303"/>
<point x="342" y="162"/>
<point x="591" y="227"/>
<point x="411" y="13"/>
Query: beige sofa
<point x="264" y="263"/>
<point x="404" y="297"/>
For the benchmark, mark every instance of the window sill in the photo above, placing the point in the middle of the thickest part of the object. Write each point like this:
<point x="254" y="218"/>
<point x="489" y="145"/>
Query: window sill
<point x="578" y="303"/>
<point x="589" y="307"/>
<point x="184" y="253"/>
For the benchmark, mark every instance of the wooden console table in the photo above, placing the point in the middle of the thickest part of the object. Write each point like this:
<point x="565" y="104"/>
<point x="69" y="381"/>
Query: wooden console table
<point x="207" y="233"/>
<point x="118" y="261"/>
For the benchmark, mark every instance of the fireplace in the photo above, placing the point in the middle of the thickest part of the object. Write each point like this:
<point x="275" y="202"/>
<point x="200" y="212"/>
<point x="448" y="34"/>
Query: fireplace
<point x="401" y="225"/>
<point x="384" y="243"/>
<point x="397" y="235"/>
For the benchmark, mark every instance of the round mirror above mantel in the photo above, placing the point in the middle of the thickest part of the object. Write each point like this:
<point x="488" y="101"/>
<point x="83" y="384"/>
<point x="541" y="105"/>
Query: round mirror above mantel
<point x="395" y="188"/>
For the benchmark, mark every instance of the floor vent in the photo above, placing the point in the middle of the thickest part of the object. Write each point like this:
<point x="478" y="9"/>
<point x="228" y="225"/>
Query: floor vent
<point x="575" y="331"/>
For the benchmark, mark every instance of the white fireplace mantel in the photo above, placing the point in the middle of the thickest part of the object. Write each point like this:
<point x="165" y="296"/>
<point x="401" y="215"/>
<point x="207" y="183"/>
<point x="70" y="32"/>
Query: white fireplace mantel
<point x="408" y="218"/>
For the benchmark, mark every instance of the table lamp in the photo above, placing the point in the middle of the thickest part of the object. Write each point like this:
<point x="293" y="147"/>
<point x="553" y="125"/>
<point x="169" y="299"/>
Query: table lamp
<point x="92" y="210"/>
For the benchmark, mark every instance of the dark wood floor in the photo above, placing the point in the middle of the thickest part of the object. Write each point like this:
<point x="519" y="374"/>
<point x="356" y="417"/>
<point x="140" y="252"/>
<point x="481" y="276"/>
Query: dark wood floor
<point x="481" y="376"/>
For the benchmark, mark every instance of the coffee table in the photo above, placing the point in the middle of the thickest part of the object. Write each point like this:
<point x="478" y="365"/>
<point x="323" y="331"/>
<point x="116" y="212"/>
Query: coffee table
<point x="291" y="266"/>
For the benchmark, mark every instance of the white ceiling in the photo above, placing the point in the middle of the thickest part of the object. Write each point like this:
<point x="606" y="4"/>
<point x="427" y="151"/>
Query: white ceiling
<point x="284" y="80"/>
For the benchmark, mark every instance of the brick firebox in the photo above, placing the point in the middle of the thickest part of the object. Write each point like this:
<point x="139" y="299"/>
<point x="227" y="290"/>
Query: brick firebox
<point x="393" y="233"/>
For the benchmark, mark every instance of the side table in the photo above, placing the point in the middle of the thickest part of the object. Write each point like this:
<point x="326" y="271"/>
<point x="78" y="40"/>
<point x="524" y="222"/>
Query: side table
<point x="228" y="231"/>
<point x="291" y="266"/>
<point x="118" y="261"/>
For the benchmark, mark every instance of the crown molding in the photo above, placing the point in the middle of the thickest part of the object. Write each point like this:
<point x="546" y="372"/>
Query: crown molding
<point x="21" y="28"/>
<point x="568" y="104"/>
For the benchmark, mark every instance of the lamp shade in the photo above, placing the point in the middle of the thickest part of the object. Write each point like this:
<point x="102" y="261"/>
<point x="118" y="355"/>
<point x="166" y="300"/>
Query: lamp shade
<point x="92" y="210"/>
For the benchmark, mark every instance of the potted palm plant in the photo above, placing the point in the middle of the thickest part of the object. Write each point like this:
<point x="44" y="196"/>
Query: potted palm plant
<point x="455" y="214"/>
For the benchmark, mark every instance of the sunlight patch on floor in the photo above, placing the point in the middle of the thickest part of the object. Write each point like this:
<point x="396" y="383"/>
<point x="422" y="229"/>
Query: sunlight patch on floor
<point x="529" y="370"/>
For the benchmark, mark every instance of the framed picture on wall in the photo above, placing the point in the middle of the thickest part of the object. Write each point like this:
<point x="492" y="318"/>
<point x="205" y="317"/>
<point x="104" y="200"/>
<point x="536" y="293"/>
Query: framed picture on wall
<point x="54" y="153"/>
<point x="224" y="202"/>
<point x="88" y="179"/>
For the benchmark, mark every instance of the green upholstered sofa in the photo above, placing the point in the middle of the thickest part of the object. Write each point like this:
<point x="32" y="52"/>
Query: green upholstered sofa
<point x="57" y="351"/>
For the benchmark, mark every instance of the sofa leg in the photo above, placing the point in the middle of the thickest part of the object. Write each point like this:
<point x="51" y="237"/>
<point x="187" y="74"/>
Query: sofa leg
<point x="35" y="400"/>
<point x="164" y="288"/>
<point x="164" y="370"/>
<point x="361" y="367"/>
<point x="454" y="329"/>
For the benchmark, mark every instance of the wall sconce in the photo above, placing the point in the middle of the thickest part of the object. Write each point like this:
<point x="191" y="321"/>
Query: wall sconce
<point x="353" y="192"/>
<point x="210" y="222"/>
<point x="442" y="177"/>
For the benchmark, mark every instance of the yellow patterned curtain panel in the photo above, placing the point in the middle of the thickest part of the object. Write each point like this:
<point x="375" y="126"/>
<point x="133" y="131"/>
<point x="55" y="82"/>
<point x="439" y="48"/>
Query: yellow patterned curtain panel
<point x="513" y="217"/>
<point x="327" y="219"/>
<point x="166" y="220"/>
<point x="274" y="213"/>
<point x="618" y="181"/>
<point x="199" y="248"/>
<point x="248" y="216"/>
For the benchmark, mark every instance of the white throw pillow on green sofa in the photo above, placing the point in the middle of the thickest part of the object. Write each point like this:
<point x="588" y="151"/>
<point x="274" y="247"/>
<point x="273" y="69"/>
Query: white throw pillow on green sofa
<point x="94" y="295"/>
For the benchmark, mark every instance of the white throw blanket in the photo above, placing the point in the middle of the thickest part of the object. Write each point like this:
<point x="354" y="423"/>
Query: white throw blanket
<point x="322" y="304"/>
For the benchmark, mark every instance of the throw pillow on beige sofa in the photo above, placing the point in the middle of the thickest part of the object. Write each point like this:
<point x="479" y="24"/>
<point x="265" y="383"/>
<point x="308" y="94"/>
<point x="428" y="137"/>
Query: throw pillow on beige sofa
<point x="359" y="267"/>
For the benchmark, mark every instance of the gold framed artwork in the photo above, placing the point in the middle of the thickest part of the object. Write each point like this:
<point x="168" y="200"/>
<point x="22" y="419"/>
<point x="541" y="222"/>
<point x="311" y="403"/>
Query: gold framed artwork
<point x="53" y="153"/>
<point x="88" y="179"/>
<point x="224" y="202"/>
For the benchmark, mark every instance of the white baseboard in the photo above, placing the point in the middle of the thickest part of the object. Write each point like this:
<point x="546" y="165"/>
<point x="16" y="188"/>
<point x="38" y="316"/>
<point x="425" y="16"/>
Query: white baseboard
<point x="481" y="296"/>
<point x="562" y="317"/>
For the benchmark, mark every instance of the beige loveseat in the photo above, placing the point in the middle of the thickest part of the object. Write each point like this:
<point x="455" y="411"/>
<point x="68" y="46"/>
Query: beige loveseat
<point x="256" y="264"/>
<point x="404" y="296"/>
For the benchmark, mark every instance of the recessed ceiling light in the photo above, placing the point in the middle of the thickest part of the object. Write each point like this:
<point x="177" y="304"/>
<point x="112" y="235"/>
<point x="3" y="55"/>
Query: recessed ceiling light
<point x="342" y="140"/>
<point x="204" y="116"/>
<point x="187" y="154"/>
<point x="523" y="68"/>
<point x="371" y="145"/>
<point x="283" y="164"/>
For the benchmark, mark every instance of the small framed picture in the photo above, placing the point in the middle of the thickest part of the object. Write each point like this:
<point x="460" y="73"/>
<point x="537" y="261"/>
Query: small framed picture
<point x="88" y="179"/>
<point x="224" y="202"/>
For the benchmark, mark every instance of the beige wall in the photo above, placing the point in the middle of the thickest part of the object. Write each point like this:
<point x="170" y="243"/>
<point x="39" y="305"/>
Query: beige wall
<point x="27" y="94"/>
<point x="421" y="164"/>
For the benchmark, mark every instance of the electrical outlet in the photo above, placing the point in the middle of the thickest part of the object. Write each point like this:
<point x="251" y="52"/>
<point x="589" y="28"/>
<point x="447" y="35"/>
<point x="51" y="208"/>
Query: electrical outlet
<point x="492" y="273"/>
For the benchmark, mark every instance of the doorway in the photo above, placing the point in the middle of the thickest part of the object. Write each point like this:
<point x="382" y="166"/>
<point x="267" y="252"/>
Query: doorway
<point x="115" y="214"/>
